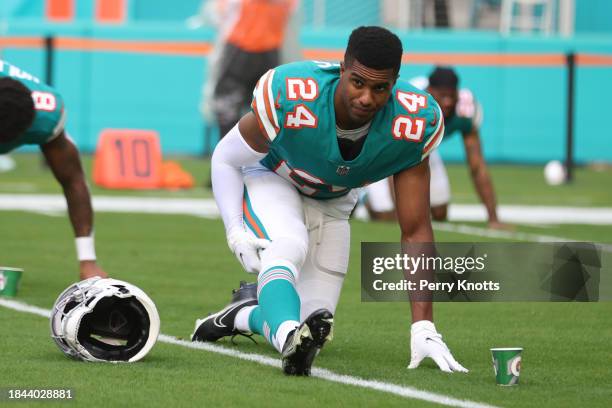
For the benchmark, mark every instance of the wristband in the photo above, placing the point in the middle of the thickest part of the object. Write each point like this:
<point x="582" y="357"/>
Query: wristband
<point x="85" y="248"/>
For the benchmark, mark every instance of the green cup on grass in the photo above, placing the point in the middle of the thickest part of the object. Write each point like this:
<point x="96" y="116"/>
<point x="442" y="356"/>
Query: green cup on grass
<point x="507" y="365"/>
<point x="9" y="280"/>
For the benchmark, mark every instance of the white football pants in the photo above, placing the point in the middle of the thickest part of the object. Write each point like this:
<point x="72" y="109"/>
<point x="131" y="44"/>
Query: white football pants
<point x="379" y="195"/>
<point x="278" y="212"/>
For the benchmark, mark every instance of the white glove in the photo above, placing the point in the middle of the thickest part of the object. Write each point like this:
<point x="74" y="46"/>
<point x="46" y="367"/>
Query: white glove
<point x="246" y="248"/>
<point x="425" y="342"/>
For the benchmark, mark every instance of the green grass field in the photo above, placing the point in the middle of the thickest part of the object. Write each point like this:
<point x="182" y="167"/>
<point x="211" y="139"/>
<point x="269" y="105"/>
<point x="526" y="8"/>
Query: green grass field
<point x="183" y="263"/>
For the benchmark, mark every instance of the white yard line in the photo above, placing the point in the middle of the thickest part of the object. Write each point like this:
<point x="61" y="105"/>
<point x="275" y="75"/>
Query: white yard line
<point x="206" y="207"/>
<point x="398" y="390"/>
<point x="533" y="214"/>
<point x="501" y="234"/>
<point x="10" y="187"/>
<point x="498" y="234"/>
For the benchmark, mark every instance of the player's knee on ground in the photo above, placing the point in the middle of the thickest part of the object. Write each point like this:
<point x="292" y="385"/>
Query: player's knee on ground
<point x="439" y="213"/>
<point x="319" y="290"/>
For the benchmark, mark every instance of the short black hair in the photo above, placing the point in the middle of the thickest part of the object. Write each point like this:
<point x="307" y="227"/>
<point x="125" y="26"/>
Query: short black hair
<point x="443" y="77"/>
<point x="374" y="47"/>
<point x="16" y="109"/>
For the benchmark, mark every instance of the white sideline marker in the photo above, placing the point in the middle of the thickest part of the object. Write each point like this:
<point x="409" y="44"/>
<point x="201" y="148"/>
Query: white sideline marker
<point x="399" y="390"/>
<point x="206" y="208"/>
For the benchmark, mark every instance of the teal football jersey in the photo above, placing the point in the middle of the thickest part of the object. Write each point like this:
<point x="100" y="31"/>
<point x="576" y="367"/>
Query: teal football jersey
<point x="49" y="105"/>
<point x="294" y="105"/>
<point x="468" y="112"/>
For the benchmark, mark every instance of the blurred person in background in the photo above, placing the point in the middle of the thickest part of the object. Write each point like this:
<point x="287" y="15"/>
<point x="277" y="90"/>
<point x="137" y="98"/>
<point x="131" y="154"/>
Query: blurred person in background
<point x="462" y="114"/>
<point x="32" y="113"/>
<point x="253" y="37"/>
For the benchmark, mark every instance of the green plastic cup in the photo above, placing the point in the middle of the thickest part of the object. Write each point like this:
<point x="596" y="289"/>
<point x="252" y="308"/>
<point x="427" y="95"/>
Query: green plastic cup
<point x="507" y="365"/>
<point x="9" y="280"/>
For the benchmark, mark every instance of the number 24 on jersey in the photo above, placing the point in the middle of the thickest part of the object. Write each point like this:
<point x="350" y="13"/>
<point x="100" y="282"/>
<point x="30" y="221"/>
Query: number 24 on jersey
<point x="404" y="126"/>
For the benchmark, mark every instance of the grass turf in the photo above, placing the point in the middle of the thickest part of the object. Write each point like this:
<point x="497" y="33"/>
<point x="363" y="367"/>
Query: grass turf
<point x="183" y="264"/>
<point x="186" y="268"/>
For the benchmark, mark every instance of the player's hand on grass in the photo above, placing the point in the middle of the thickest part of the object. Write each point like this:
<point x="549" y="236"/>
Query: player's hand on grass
<point x="498" y="225"/>
<point x="246" y="248"/>
<point x="90" y="269"/>
<point x="425" y="342"/>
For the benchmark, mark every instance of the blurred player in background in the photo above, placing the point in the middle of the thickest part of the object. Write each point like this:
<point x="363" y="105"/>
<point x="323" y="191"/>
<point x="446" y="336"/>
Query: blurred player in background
<point x="252" y="37"/>
<point x="32" y="113"/>
<point x="463" y="114"/>
<point x="250" y="41"/>
<point x="283" y="179"/>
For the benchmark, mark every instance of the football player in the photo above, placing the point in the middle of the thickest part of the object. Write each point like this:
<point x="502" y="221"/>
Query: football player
<point x="284" y="180"/>
<point x="462" y="114"/>
<point x="32" y="113"/>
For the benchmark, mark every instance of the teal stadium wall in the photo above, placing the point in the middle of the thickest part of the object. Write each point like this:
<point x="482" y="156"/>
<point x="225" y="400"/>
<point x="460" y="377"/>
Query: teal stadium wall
<point x="525" y="106"/>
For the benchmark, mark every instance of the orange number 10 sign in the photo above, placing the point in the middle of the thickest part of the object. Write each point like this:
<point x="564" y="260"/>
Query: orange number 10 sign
<point x="129" y="159"/>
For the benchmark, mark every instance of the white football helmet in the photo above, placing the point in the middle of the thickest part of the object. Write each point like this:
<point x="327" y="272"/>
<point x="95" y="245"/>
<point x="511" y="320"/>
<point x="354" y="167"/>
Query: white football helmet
<point x="104" y="320"/>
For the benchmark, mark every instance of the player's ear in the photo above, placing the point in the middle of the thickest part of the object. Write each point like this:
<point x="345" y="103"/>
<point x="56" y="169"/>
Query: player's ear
<point x="342" y="67"/>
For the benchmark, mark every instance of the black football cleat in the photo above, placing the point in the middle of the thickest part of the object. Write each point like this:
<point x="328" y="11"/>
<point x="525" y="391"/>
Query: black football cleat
<point x="221" y="324"/>
<point x="304" y="343"/>
<point x="245" y="291"/>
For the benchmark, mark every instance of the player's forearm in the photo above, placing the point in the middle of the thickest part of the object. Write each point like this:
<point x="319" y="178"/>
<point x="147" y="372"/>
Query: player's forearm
<point x="230" y="155"/>
<point x="80" y="210"/>
<point x="484" y="187"/>
<point x="421" y="306"/>
<point x="417" y="245"/>
<point x="480" y="174"/>
<point x="421" y="311"/>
